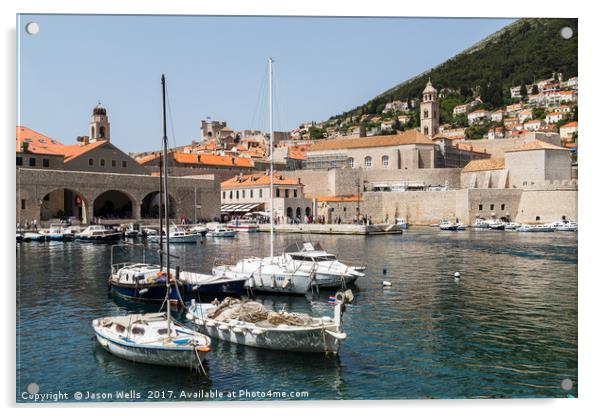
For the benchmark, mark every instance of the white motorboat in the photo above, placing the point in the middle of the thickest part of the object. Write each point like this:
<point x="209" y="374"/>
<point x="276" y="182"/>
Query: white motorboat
<point x="99" y="234"/>
<point x="252" y="324"/>
<point x="177" y="235"/>
<point x="564" y="225"/>
<point x="542" y="228"/>
<point x="512" y="225"/>
<point x="221" y="231"/>
<point x="56" y="232"/>
<point x="447" y="225"/>
<point x="152" y="338"/>
<point x="199" y="229"/>
<point x="402" y="222"/>
<point x="461" y="226"/>
<point x="33" y="236"/>
<point x="480" y="223"/>
<point x="132" y="230"/>
<point x="497" y="225"/>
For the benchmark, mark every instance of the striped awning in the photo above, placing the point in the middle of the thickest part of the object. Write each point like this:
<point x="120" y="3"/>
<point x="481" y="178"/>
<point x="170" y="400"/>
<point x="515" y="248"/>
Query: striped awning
<point x="228" y="208"/>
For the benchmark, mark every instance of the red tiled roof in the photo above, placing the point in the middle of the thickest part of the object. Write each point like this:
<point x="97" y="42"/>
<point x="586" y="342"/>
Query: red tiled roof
<point x="258" y="179"/>
<point x="407" y="137"/>
<point x="535" y="145"/>
<point x="342" y="198"/>
<point x="211" y="159"/>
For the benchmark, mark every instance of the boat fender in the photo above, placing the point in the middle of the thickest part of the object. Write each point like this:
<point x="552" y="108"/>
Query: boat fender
<point x="237" y="330"/>
<point x="286" y="283"/>
<point x="338" y="335"/>
<point x="258" y="331"/>
<point x="251" y="282"/>
<point x="143" y="291"/>
<point x="203" y="348"/>
<point x="210" y="324"/>
<point x="386" y="283"/>
<point x="273" y="281"/>
<point x="223" y="327"/>
<point x="189" y="316"/>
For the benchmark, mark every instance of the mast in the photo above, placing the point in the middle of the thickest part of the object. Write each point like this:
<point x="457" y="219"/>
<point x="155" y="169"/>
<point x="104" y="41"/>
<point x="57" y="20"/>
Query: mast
<point x="166" y="213"/>
<point x="161" y="212"/>
<point x="270" y="63"/>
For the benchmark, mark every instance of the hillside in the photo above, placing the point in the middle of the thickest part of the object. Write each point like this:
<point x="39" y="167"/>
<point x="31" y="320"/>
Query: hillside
<point x="522" y="52"/>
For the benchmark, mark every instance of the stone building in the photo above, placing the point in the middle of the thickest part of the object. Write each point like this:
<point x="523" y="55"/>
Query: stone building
<point x="407" y="150"/>
<point x="251" y="193"/>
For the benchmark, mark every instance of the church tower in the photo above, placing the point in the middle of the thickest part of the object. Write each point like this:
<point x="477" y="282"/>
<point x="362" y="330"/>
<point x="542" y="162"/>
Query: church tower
<point x="429" y="111"/>
<point x="100" y="128"/>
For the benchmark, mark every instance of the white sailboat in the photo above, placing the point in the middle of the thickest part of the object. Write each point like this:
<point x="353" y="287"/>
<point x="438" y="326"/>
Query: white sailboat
<point x="154" y="338"/>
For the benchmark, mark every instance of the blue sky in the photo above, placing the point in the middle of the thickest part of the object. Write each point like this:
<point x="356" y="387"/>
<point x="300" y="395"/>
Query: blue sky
<point x="217" y="67"/>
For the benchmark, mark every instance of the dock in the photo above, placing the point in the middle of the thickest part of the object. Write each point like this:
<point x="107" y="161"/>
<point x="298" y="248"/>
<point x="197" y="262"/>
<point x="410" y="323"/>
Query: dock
<point x="347" y="229"/>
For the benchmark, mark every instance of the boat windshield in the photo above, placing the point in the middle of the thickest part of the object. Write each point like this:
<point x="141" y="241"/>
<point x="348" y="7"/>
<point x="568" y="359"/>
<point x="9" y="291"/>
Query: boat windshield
<point x="300" y="246"/>
<point x="301" y="257"/>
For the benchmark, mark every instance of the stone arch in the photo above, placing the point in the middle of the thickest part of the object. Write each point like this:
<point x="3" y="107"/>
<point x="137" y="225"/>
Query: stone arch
<point x="113" y="204"/>
<point x="149" y="207"/>
<point x="289" y="212"/>
<point x="64" y="203"/>
<point x="298" y="212"/>
<point x="307" y="211"/>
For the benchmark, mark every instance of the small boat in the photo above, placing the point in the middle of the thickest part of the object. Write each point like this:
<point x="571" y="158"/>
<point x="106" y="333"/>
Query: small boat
<point x="148" y="232"/>
<point x="33" y="236"/>
<point x="177" y="235"/>
<point x="497" y="225"/>
<point x="512" y="225"/>
<point x="564" y="225"/>
<point x="221" y="231"/>
<point x="152" y="338"/>
<point x="536" y="228"/>
<point x="199" y="229"/>
<point x="244" y="225"/>
<point x="99" y="234"/>
<point x="461" y="226"/>
<point x="57" y="233"/>
<point x="480" y="223"/>
<point x="402" y="222"/>
<point x="446" y="225"/>
<point x="132" y="231"/>
<point x="252" y="324"/>
<point x="19" y="237"/>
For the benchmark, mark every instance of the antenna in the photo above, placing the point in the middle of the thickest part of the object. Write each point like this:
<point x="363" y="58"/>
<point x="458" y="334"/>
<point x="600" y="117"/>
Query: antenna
<point x="270" y="63"/>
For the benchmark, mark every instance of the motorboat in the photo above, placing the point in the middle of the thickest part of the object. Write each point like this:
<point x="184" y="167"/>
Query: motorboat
<point x="99" y="234"/>
<point x="199" y="229"/>
<point x="447" y="225"/>
<point x="480" y="223"/>
<point x="564" y="225"/>
<point x="132" y="231"/>
<point x="512" y="225"/>
<point x="542" y="228"/>
<point x="57" y="233"/>
<point x="244" y="225"/>
<point x="252" y="324"/>
<point x="149" y="232"/>
<point x="152" y="338"/>
<point x="33" y="236"/>
<point x="221" y="231"/>
<point x="402" y="222"/>
<point x="461" y="226"/>
<point x="177" y="235"/>
<point x="497" y="225"/>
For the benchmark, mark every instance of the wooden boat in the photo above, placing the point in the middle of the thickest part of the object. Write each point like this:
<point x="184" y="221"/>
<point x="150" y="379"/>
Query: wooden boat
<point x="252" y="324"/>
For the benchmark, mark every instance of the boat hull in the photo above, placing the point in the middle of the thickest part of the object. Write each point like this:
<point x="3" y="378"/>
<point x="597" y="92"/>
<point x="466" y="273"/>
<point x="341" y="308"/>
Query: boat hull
<point x="334" y="281"/>
<point x="143" y="292"/>
<point x="171" y="357"/>
<point x="275" y="283"/>
<point x="108" y="238"/>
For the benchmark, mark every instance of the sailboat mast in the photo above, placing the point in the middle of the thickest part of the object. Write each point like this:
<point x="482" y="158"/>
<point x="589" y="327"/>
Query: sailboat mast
<point x="270" y="62"/>
<point x="166" y="211"/>
<point x="161" y="212"/>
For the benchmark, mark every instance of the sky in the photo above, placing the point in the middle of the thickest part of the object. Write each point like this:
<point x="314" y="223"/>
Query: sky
<point x="217" y="67"/>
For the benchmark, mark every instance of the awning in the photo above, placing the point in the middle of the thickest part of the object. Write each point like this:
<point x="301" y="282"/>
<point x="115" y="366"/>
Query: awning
<point x="228" y="208"/>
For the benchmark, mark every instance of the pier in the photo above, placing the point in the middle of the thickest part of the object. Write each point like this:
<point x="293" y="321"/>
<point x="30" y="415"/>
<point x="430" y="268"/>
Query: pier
<point x="349" y="229"/>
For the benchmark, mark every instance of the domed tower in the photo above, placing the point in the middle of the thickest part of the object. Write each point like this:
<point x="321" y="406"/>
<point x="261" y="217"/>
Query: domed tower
<point x="429" y="111"/>
<point x="100" y="128"/>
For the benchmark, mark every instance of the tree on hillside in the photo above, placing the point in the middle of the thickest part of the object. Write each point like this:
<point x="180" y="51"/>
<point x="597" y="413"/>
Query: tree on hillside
<point x="523" y="90"/>
<point x="535" y="89"/>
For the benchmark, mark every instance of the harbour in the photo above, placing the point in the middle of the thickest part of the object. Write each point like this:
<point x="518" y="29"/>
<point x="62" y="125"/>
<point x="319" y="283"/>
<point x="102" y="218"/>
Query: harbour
<point x="507" y="328"/>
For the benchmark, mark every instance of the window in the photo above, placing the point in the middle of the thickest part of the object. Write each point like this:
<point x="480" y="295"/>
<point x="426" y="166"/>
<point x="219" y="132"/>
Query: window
<point x="426" y="114"/>
<point x="503" y="207"/>
<point x="45" y="163"/>
<point x="243" y="193"/>
<point x="90" y="162"/>
<point x="113" y="163"/>
<point x="277" y="193"/>
<point x="124" y="164"/>
<point x="224" y="195"/>
<point x="480" y="207"/>
<point x="102" y="162"/>
<point x="261" y="193"/>
<point x="286" y="193"/>
<point x="237" y="195"/>
<point x="295" y="193"/>
<point x="19" y="161"/>
<point x="368" y="162"/>
<point x="32" y="161"/>
<point x="491" y="207"/>
<point x="385" y="161"/>
<point x="230" y="194"/>
<point x="47" y="197"/>
<point x="137" y="330"/>
<point x="251" y="192"/>
<point x="22" y="204"/>
<point x="351" y="162"/>
<point x="537" y="218"/>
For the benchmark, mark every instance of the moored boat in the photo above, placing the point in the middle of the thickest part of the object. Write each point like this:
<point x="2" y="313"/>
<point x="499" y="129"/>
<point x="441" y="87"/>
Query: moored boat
<point x="497" y="225"/>
<point x="244" y="225"/>
<point x="221" y="231"/>
<point x="446" y="225"/>
<point x="99" y="234"/>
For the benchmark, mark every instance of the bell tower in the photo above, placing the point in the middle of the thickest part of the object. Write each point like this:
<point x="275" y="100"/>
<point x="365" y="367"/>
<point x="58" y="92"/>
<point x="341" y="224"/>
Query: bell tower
<point x="429" y="111"/>
<point x="100" y="128"/>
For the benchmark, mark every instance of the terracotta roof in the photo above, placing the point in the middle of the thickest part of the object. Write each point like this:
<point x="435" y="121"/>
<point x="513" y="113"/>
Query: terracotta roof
<point x="535" y="145"/>
<point x="342" y="198"/>
<point x="485" y="164"/>
<point x="569" y="124"/>
<point x="570" y="145"/>
<point x="148" y="158"/>
<point x="297" y="152"/>
<point x="254" y="180"/>
<point x="40" y="144"/>
<point x="211" y="159"/>
<point x="407" y="137"/>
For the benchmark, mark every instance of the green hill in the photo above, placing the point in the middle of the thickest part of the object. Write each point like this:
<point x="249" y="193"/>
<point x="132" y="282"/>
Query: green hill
<point x="522" y="52"/>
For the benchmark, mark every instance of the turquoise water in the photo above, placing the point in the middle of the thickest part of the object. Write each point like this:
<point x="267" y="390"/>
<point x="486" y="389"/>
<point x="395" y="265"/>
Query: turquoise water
<point x="508" y="328"/>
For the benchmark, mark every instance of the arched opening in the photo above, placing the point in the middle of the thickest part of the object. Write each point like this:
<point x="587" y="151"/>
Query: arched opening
<point x="101" y="132"/>
<point x="307" y="211"/>
<point x="298" y="212"/>
<point x="150" y="206"/>
<point x="63" y="204"/>
<point x="289" y="212"/>
<point x="537" y="218"/>
<point x="92" y="132"/>
<point x="112" y="205"/>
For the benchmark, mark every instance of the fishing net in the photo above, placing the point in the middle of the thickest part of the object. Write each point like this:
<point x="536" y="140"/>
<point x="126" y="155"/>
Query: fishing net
<point x="255" y="312"/>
